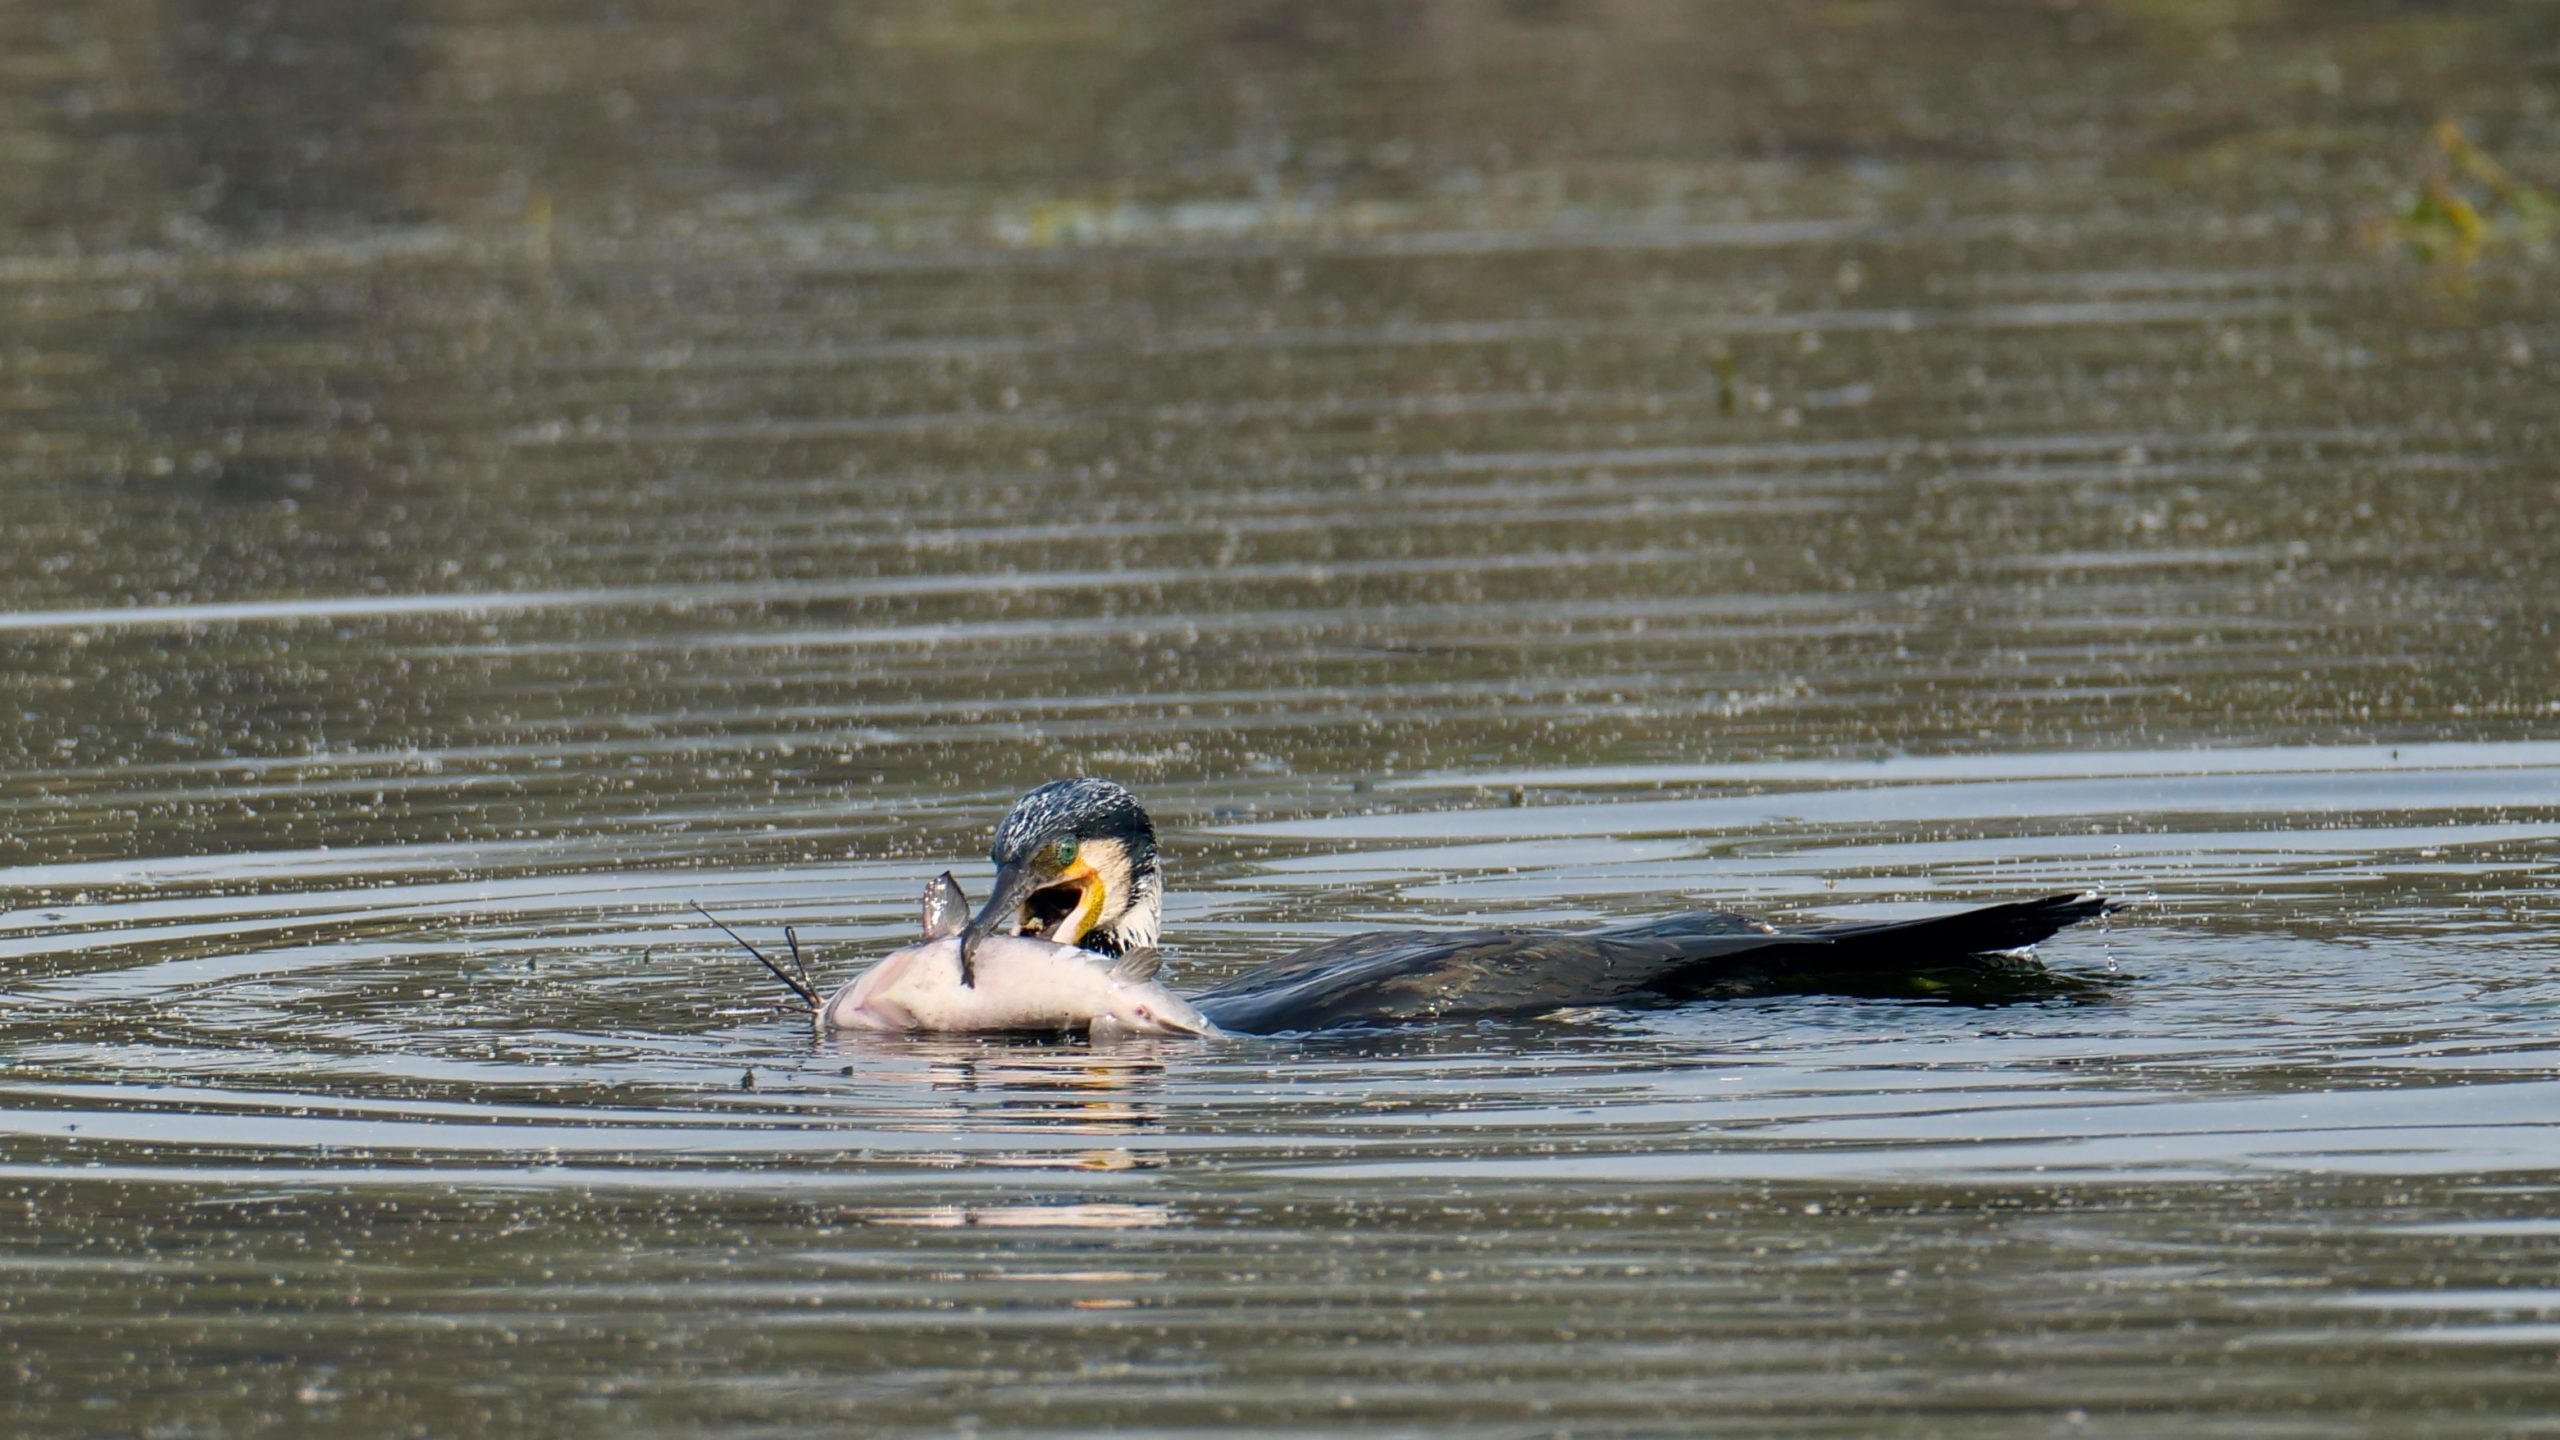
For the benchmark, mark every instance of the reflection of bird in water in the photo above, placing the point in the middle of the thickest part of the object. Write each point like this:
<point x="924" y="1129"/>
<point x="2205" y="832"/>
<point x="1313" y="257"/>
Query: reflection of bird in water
<point x="1076" y="864"/>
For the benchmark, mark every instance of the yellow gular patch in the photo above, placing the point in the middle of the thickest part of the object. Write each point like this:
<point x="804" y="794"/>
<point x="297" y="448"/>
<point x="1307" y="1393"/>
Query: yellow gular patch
<point x="1090" y="895"/>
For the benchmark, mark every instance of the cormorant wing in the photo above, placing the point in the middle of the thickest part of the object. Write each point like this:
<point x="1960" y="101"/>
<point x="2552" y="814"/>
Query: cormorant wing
<point x="1400" y="976"/>
<point x="1397" y="976"/>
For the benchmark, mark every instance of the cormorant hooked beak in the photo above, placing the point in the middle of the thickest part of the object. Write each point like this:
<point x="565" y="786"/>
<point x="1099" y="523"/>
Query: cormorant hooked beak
<point x="996" y="917"/>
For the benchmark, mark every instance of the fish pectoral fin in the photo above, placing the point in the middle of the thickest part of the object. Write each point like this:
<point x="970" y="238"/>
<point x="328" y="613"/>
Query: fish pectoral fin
<point x="1138" y="966"/>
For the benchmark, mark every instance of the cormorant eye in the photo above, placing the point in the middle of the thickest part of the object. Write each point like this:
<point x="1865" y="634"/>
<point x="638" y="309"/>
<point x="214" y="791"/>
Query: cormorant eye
<point x="1064" y="852"/>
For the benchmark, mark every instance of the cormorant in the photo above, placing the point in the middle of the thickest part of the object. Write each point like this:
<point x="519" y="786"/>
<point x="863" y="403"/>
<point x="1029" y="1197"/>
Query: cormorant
<point x="1076" y="864"/>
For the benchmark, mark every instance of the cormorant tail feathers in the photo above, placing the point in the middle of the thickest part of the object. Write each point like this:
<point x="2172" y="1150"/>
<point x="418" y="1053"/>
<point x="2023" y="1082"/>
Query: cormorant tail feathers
<point x="2013" y="926"/>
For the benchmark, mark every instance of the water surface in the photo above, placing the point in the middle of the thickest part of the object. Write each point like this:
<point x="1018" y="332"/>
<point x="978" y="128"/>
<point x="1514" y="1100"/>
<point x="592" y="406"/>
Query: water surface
<point x="480" y="479"/>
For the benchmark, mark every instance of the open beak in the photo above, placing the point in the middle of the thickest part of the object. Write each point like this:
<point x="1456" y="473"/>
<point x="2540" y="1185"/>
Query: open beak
<point x="1062" y="908"/>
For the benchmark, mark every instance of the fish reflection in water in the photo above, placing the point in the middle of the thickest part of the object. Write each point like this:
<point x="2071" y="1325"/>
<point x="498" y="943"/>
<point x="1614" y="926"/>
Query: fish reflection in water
<point x="981" y="1086"/>
<point x="1033" y="1217"/>
<point x="1066" y="943"/>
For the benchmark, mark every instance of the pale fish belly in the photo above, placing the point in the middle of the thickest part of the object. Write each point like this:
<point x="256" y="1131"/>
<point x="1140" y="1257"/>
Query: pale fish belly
<point x="1022" y="985"/>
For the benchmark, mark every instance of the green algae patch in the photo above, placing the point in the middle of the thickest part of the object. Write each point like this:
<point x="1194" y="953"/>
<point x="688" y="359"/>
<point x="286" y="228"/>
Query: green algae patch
<point x="2467" y="204"/>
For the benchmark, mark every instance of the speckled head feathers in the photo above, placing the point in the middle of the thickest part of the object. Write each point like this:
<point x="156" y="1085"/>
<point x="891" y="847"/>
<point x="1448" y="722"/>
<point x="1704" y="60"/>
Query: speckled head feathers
<point x="1085" y="808"/>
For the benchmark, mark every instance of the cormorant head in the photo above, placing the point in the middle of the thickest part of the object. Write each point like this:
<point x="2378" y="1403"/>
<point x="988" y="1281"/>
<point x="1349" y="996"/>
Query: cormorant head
<point x="1076" y="864"/>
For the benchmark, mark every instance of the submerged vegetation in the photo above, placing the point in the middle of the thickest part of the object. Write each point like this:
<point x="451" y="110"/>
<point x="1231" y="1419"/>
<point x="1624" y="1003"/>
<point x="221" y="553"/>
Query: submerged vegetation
<point x="2467" y="203"/>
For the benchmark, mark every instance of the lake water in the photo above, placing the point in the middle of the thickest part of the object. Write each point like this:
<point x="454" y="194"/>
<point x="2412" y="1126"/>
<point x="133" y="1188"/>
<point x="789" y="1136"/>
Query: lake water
<point x="478" y="479"/>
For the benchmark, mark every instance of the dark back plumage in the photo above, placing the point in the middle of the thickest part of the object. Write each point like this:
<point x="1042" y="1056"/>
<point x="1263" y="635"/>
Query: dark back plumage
<point x="1402" y="976"/>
